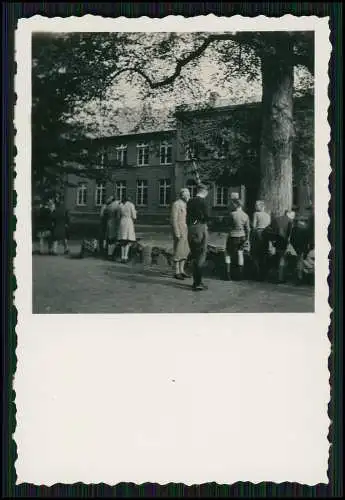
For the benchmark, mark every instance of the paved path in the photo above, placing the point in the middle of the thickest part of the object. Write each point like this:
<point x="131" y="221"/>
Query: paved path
<point x="65" y="285"/>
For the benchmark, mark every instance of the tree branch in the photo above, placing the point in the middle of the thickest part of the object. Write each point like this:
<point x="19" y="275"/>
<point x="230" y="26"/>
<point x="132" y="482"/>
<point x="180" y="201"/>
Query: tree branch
<point x="258" y="43"/>
<point x="239" y="37"/>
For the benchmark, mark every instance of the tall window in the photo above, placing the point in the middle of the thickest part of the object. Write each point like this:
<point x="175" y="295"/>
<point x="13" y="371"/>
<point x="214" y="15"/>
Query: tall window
<point x="164" y="192"/>
<point x="221" y="195"/>
<point x="142" y="193"/>
<point x="142" y="154"/>
<point x="81" y="194"/>
<point x="121" y="154"/>
<point x="166" y="153"/>
<point x="191" y="185"/>
<point x="99" y="195"/>
<point x="121" y="189"/>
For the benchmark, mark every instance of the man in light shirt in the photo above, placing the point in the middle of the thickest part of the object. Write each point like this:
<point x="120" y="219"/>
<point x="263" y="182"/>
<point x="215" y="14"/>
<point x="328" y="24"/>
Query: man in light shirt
<point x="238" y="237"/>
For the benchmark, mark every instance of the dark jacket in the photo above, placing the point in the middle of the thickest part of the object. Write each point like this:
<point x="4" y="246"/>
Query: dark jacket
<point x="197" y="211"/>
<point x="282" y="226"/>
<point x="59" y="223"/>
<point x="42" y="219"/>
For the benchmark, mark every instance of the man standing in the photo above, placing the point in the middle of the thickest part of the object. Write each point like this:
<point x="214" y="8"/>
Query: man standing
<point x="197" y="218"/>
<point x="113" y="218"/>
<point x="281" y="228"/>
<point x="180" y="233"/>
<point x="238" y="237"/>
<point x="103" y="223"/>
<point x="43" y="224"/>
<point x="60" y="226"/>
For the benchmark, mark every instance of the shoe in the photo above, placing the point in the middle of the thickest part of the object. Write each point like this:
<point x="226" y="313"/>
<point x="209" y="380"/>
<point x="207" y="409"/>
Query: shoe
<point x="184" y="275"/>
<point x="179" y="277"/>
<point x="199" y="288"/>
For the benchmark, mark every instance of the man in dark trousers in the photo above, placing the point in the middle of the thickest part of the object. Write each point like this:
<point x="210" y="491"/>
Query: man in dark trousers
<point x="281" y="228"/>
<point x="197" y="218"/>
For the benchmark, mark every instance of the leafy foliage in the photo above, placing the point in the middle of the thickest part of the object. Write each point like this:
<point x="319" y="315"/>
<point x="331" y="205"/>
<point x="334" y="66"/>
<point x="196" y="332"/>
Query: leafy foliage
<point x="225" y="144"/>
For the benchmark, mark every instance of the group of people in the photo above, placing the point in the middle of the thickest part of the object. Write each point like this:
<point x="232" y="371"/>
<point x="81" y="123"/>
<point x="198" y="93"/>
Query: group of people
<point x="261" y="238"/>
<point x="117" y="226"/>
<point x="52" y="227"/>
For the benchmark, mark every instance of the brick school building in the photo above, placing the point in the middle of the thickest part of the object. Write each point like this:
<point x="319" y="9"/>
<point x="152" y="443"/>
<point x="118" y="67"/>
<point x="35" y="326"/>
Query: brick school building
<point x="152" y="166"/>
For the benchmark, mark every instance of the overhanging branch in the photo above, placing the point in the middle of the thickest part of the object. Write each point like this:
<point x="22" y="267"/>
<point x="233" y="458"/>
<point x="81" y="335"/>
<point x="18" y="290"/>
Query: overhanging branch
<point x="258" y="43"/>
<point x="239" y="37"/>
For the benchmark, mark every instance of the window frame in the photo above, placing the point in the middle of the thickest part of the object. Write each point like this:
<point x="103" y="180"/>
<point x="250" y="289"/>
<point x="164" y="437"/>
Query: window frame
<point x="224" y="196"/>
<point x="100" y="188"/>
<point x="143" y="146"/>
<point x="166" y="145"/>
<point x="81" y="189"/>
<point x="166" y="185"/>
<point x="192" y="186"/>
<point x="142" y="186"/>
<point x="121" y="154"/>
<point x="120" y="186"/>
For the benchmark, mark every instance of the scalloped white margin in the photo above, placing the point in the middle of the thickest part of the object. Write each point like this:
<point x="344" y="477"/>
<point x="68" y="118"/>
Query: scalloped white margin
<point x="59" y="336"/>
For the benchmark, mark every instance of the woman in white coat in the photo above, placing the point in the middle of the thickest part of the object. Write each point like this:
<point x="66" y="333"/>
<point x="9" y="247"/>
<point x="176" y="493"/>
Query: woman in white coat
<point x="180" y="233"/>
<point x="126" y="233"/>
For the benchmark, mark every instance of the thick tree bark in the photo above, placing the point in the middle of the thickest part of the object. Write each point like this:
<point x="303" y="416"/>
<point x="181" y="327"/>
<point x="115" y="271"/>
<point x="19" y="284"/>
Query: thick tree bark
<point x="277" y="126"/>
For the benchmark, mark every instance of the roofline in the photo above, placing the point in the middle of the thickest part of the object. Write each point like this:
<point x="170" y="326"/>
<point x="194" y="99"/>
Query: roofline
<point x="214" y="109"/>
<point x="133" y="134"/>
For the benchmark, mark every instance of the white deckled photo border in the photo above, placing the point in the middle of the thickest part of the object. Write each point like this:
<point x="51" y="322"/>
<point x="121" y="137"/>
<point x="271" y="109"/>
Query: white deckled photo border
<point x="160" y="398"/>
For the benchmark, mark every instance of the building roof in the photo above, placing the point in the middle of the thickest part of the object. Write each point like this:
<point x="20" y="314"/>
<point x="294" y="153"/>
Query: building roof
<point x="164" y="120"/>
<point x="227" y="104"/>
<point x="134" y="134"/>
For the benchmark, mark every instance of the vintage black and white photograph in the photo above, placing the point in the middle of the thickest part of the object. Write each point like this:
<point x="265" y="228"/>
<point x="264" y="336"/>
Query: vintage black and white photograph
<point x="172" y="293"/>
<point x="173" y="172"/>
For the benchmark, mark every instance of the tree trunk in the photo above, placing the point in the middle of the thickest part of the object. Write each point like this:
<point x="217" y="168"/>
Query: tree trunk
<point x="277" y="126"/>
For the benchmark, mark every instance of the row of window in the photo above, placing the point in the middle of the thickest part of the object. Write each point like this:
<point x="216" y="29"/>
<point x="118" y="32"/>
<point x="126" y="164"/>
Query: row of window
<point x="121" y="190"/>
<point x="221" y="193"/>
<point x="143" y="151"/>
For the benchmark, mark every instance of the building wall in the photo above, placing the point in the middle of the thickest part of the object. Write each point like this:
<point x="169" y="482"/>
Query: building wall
<point x="129" y="174"/>
<point x="179" y="171"/>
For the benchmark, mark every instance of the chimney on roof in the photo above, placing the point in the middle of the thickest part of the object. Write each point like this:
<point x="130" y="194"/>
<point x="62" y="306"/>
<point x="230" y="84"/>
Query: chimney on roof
<point x="213" y="98"/>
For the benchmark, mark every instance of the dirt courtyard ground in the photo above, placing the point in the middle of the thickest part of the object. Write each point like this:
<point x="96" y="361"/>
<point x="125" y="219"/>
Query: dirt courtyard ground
<point x="93" y="286"/>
